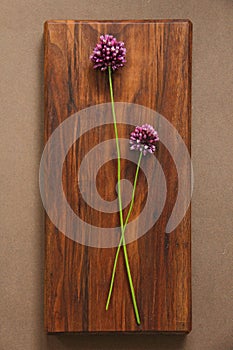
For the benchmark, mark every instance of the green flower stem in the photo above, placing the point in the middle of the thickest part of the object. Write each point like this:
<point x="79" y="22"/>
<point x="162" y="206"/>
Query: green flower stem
<point x="117" y="146"/>
<point x="122" y="240"/>
<point x="120" y="201"/>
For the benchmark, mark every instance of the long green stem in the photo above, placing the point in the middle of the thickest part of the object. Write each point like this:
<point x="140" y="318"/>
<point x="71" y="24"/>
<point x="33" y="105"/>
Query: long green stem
<point x="119" y="199"/>
<point x="125" y="224"/>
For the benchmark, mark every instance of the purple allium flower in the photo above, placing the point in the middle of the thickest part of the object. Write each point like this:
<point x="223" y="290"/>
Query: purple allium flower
<point x="144" y="139"/>
<point x="109" y="52"/>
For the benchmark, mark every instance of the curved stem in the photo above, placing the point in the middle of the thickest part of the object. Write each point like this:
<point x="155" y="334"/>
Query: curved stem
<point x="122" y="240"/>
<point x="134" y="189"/>
<point x="120" y="202"/>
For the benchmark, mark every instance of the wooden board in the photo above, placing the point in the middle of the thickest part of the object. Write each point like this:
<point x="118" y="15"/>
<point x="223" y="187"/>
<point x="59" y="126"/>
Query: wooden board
<point x="158" y="76"/>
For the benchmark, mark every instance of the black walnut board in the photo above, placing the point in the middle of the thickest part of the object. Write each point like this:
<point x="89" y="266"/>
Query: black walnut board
<point x="157" y="75"/>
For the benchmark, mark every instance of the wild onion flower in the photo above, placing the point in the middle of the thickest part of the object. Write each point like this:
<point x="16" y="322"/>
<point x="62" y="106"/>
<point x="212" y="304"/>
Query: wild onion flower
<point x="109" y="53"/>
<point x="144" y="139"/>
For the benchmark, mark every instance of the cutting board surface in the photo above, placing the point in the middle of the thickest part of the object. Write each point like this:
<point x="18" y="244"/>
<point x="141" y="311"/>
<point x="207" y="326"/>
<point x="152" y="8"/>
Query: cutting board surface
<point x="158" y="76"/>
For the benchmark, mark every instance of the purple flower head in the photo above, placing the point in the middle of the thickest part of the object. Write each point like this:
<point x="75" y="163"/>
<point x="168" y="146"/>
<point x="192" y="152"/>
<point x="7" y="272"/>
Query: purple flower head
<point x="109" y="52"/>
<point x="144" y="139"/>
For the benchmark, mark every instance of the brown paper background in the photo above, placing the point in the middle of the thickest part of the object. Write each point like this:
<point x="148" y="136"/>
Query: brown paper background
<point x="21" y="137"/>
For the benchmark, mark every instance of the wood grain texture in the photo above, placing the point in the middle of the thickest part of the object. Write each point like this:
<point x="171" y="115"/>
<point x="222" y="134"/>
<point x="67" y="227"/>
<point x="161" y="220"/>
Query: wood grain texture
<point x="158" y="76"/>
